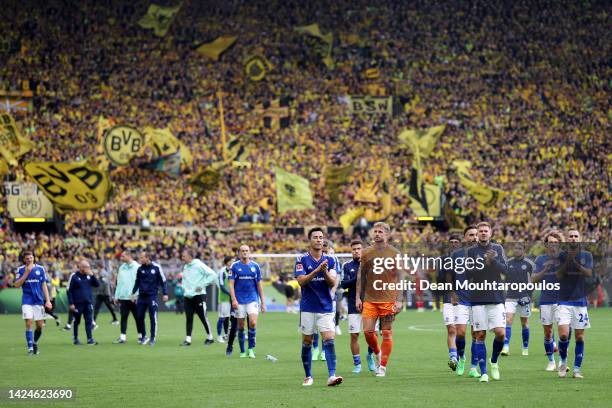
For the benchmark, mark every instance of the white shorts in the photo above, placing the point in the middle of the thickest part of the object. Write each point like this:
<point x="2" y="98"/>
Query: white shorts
<point x="311" y="323"/>
<point x="354" y="322"/>
<point x="488" y="317"/>
<point x="448" y="313"/>
<point x="247" y="309"/>
<point x="224" y="309"/>
<point x="511" y="306"/>
<point x="576" y="316"/>
<point x="463" y="314"/>
<point x="548" y="314"/>
<point x="33" y="312"/>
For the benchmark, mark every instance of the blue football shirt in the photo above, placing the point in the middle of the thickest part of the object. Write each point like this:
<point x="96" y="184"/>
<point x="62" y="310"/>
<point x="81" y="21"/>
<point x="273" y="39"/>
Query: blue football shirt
<point x="245" y="277"/>
<point x="32" y="289"/>
<point x="316" y="294"/>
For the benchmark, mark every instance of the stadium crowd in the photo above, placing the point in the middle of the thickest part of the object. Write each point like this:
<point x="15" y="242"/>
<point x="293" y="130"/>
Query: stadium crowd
<point x="526" y="102"/>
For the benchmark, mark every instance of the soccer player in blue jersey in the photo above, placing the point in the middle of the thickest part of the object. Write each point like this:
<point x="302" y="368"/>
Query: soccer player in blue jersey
<point x="149" y="277"/>
<point x="80" y="299"/>
<point x="448" y="308"/>
<point x="576" y="264"/>
<point x="247" y="297"/>
<point x="349" y="283"/>
<point x="316" y="274"/>
<point x="31" y="278"/>
<point x="519" y="271"/>
<point x="488" y="311"/>
<point x="546" y="271"/>
<point x="460" y="299"/>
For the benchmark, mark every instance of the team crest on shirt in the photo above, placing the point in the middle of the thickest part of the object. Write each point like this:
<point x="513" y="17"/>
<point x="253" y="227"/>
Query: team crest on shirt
<point x="37" y="273"/>
<point x="299" y="267"/>
<point x="252" y="269"/>
<point x="153" y="272"/>
<point x="524" y="267"/>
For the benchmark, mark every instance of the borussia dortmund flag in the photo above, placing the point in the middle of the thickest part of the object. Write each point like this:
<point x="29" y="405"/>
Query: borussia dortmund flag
<point x="159" y="18"/>
<point x="3" y="167"/>
<point x="256" y="67"/>
<point x="237" y="150"/>
<point x="217" y="47"/>
<point x="12" y="143"/>
<point x="162" y="143"/>
<point x="71" y="185"/>
<point x="101" y="161"/>
<point x="485" y="195"/>
<point x="424" y="139"/>
<point x="121" y="144"/>
<point x="292" y="192"/>
<point x="170" y="165"/>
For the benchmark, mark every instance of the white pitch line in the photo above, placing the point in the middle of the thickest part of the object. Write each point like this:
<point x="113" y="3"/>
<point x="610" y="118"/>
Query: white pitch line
<point x="420" y="327"/>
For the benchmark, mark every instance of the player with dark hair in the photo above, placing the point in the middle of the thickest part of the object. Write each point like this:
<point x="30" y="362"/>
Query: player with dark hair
<point x="316" y="274"/>
<point x="31" y="278"/>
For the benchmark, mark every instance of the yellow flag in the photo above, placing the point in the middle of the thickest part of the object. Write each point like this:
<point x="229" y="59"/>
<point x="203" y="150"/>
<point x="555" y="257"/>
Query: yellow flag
<point x="12" y="143"/>
<point x="423" y="139"/>
<point x="485" y="195"/>
<point x="122" y="143"/>
<point x="101" y="161"/>
<point x="71" y="185"/>
<point x="335" y="178"/>
<point x="216" y="48"/>
<point x="159" y="18"/>
<point x="3" y="167"/>
<point x="350" y="216"/>
<point x="292" y="192"/>
<point x="205" y="180"/>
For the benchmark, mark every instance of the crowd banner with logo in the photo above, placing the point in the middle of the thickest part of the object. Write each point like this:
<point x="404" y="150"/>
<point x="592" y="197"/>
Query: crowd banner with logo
<point x="26" y="200"/>
<point x="423" y="139"/>
<point x="71" y="185"/>
<point x="257" y="67"/>
<point x="122" y="143"/>
<point x="485" y="195"/>
<point x="372" y="105"/>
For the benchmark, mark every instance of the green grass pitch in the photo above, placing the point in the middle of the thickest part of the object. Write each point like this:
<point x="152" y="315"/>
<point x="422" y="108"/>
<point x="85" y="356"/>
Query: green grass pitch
<point x="130" y="375"/>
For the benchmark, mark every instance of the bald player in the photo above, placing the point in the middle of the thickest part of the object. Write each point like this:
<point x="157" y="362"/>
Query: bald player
<point x="375" y="297"/>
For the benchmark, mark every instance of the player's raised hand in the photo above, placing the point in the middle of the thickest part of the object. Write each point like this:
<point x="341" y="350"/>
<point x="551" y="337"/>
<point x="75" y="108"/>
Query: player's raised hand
<point x="323" y="266"/>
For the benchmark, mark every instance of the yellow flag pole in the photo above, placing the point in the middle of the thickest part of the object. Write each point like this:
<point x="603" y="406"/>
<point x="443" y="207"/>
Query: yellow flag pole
<point x="222" y="118"/>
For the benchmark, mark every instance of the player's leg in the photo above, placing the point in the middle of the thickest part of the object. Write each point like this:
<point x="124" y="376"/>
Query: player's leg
<point x="525" y="333"/>
<point x="580" y="322"/>
<point x="189" y="311"/>
<point x="326" y="326"/>
<point x="97" y="305"/>
<point x="88" y="315"/>
<point x="53" y="314"/>
<point x="38" y="331"/>
<point x="76" y="316"/>
<point x="496" y="317"/>
<point x="124" y="314"/>
<point x="563" y="329"/>
<point x="354" y="327"/>
<point x="153" y="319"/>
<point x="510" y="307"/>
<point x="28" y="316"/>
<point x="448" y="314"/>
<point x="241" y="315"/>
<point x="232" y="334"/>
<point x="307" y="326"/>
<point x="200" y="309"/>
<point x="386" y="326"/>
<point x="253" y="313"/>
<point x="141" y="310"/>
<point x="220" y="321"/>
<point x="480" y="323"/>
<point x="462" y="319"/>
<point x="69" y="320"/>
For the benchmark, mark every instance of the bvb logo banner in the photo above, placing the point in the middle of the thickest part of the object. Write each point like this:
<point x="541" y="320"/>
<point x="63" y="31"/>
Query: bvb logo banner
<point x="122" y="143"/>
<point x="71" y="186"/>
<point x="256" y="67"/>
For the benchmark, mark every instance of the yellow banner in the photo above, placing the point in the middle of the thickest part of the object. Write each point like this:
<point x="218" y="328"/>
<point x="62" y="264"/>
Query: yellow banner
<point x="161" y="143"/>
<point x="335" y="178"/>
<point x="485" y="195"/>
<point x="12" y="143"/>
<point x="217" y="47"/>
<point x="101" y="161"/>
<point x="159" y="18"/>
<point x="3" y="167"/>
<point x="292" y="192"/>
<point x="71" y="185"/>
<point x="206" y="180"/>
<point x="423" y="139"/>
<point x="26" y="200"/>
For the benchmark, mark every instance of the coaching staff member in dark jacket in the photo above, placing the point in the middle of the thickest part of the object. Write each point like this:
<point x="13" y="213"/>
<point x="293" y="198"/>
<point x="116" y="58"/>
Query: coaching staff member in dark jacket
<point x="149" y="277"/>
<point x="81" y="300"/>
